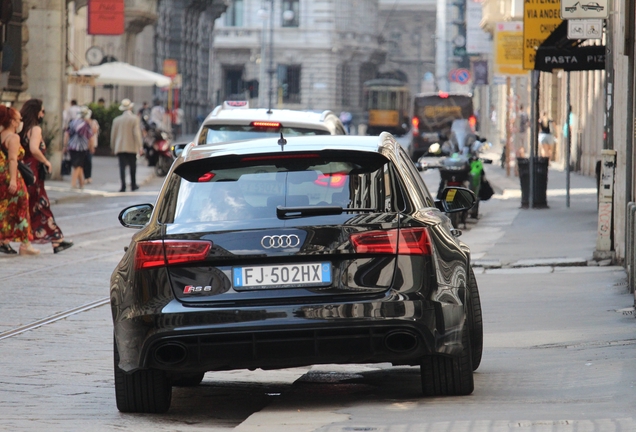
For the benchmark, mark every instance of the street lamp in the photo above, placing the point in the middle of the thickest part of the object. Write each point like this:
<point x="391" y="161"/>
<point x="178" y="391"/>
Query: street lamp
<point x="262" y="14"/>
<point x="271" y="69"/>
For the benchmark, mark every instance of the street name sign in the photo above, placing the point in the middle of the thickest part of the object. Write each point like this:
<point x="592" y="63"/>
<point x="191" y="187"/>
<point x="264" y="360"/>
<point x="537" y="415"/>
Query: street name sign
<point x="580" y="9"/>
<point x="540" y="19"/>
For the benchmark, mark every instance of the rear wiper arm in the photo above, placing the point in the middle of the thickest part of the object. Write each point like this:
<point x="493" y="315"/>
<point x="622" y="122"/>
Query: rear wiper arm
<point x="306" y="211"/>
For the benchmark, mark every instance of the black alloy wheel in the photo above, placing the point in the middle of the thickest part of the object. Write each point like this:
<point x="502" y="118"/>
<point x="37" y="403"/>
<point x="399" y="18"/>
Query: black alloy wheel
<point x="443" y="375"/>
<point x="143" y="391"/>
<point x="475" y="324"/>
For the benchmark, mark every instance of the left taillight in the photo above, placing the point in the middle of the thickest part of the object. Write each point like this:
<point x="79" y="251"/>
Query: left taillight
<point x="157" y="253"/>
<point x="405" y="241"/>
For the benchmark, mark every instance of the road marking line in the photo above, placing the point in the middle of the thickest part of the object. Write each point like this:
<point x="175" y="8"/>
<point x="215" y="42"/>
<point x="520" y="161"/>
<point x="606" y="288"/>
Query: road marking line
<point x="53" y="318"/>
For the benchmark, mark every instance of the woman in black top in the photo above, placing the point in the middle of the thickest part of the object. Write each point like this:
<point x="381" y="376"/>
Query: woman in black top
<point x="546" y="138"/>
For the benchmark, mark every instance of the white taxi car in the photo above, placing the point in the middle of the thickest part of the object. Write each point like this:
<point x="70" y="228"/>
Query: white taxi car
<point x="235" y="121"/>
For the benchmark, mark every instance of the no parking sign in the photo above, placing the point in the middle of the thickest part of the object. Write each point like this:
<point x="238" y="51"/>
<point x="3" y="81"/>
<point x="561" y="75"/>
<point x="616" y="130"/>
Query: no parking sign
<point x="460" y="76"/>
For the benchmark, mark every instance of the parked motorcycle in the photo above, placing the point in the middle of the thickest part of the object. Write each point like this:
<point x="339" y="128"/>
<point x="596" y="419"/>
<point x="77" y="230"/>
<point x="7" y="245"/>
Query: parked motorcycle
<point x="461" y="166"/>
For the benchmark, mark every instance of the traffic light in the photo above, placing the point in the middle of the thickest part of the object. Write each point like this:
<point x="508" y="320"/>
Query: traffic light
<point x="252" y="87"/>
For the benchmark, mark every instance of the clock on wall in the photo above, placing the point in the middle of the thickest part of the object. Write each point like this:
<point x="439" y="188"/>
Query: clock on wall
<point x="94" y="55"/>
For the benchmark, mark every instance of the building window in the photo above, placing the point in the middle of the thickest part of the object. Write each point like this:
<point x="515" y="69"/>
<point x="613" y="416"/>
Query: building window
<point x="291" y="13"/>
<point x="233" y="85"/>
<point x="12" y="50"/>
<point x="234" y="14"/>
<point x="289" y="83"/>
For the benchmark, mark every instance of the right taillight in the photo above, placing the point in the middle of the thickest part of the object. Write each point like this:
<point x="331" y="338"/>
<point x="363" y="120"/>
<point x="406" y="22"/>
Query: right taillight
<point x="416" y="125"/>
<point x="158" y="253"/>
<point x="405" y="241"/>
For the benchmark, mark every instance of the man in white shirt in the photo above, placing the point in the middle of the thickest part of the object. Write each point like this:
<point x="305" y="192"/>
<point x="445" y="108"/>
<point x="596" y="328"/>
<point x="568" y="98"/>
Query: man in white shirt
<point x="126" y="143"/>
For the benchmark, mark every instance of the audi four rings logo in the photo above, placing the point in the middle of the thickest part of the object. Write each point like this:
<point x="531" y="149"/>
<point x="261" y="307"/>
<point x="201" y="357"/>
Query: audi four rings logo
<point x="280" y="241"/>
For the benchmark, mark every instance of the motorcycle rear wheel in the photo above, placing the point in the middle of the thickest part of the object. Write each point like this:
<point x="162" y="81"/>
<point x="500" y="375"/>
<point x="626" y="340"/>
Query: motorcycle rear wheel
<point x="163" y="166"/>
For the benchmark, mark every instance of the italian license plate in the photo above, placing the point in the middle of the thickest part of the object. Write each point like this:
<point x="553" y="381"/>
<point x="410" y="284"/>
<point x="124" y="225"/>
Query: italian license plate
<point x="282" y="276"/>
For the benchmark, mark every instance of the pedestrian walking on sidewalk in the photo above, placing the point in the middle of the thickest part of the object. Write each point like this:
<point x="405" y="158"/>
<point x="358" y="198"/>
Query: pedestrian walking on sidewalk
<point x="77" y="141"/>
<point x="126" y="143"/>
<point x="92" y="146"/>
<point x="43" y="225"/>
<point x="546" y="136"/>
<point x="14" y="199"/>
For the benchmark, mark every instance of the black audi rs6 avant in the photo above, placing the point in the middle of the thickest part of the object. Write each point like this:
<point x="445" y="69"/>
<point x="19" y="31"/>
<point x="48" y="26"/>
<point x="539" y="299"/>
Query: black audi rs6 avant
<point x="277" y="253"/>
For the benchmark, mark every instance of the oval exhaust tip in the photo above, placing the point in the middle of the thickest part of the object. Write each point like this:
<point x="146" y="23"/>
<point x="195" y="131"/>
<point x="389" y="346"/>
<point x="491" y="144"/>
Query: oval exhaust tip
<point x="170" y="353"/>
<point x="401" y="341"/>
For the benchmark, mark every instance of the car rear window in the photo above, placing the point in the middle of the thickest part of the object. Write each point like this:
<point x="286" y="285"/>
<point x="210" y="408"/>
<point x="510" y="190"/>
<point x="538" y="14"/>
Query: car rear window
<point x="436" y="113"/>
<point x="212" y="134"/>
<point x="252" y="188"/>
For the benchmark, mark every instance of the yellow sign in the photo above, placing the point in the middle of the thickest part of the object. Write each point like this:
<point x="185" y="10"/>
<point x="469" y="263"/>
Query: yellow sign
<point x="508" y="42"/>
<point x="170" y="68"/>
<point x="87" y="80"/>
<point x="540" y="19"/>
<point x="382" y="118"/>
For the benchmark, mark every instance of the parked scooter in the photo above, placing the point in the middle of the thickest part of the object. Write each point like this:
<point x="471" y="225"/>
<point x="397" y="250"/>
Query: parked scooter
<point x="461" y="166"/>
<point x="163" y="149"/>
<point x="157" y="147"/>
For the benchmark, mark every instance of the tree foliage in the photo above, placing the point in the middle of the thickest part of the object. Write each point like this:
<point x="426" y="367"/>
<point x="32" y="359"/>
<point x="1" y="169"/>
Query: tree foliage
<point x="104" y="116"/>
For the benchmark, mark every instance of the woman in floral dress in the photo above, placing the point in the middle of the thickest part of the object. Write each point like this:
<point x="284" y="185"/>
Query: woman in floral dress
<point x="14" y="199"/>
<point x="43" y="225"/>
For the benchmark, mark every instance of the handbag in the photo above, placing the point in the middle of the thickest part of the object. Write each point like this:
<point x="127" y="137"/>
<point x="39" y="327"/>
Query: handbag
<point x="66" y="164"/>
<point x="485" y="190"/>
<point x="42" y="172"/>
<point x="25" y="171"/>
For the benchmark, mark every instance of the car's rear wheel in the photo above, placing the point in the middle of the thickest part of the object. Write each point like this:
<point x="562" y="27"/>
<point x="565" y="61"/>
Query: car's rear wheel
<point x="448" y="376"/>
<point x="475" y="321"/>
<point x="143" y="391"/>
<point x="190" y="380"/>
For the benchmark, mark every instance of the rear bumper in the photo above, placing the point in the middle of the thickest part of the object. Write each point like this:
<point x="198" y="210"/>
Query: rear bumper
<point x="185" y="339"/>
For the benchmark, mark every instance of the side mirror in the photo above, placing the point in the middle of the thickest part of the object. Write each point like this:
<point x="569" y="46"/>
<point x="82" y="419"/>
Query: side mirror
<point x="456" y="199"/>
<point x="177" y="149"/>
<point x="136" y="216"/>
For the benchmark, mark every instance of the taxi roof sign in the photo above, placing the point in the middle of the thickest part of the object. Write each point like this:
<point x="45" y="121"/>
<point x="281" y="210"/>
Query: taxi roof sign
<point x="236" y="104"/>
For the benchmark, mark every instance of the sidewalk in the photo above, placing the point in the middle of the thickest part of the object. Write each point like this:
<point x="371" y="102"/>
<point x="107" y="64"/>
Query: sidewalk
<point x="556" y="236"/>
<point x="105" y="181"/>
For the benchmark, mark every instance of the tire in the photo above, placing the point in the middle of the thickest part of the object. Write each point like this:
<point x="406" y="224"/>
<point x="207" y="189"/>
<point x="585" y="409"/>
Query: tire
<point x="474" y="211"/>
<point x="143" y="391"/>
<point x="448" y="376"/>
<point x="475" y="321"/>
<point x="163" y="166"/>
<point x="456" y="219"/>
<point x="188" y="380"/>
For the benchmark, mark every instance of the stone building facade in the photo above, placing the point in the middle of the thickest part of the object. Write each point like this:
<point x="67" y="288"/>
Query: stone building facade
<point x="184" y="32"/>
<point x="323" y="50"/>
<point x="47" y="39"/>
<point x="408" y="29"/>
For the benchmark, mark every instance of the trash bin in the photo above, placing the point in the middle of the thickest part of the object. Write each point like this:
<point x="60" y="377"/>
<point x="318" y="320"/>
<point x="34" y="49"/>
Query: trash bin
<point x="539" y="192"/>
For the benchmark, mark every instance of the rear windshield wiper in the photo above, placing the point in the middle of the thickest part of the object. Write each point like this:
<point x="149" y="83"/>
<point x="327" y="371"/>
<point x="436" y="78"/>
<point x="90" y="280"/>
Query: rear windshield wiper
<point x="306" y="211"/>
